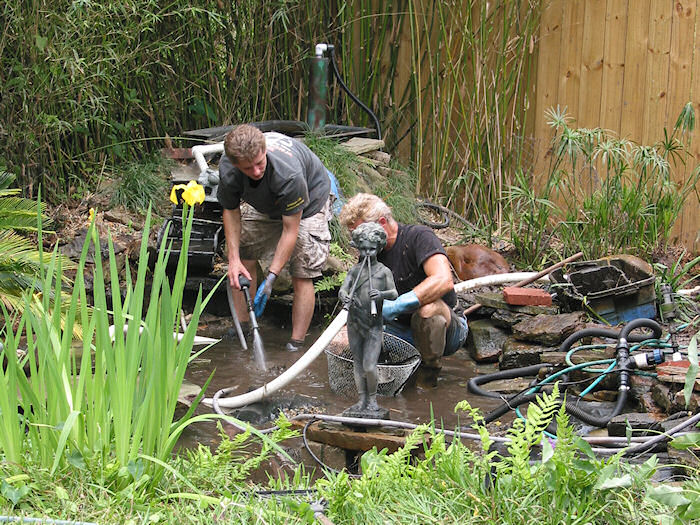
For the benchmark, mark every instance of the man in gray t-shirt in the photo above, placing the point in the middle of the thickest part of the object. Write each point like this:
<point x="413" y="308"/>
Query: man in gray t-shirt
<point x="287" y="189"/>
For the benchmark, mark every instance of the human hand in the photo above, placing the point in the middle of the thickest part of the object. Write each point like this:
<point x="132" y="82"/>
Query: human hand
<point x="263" y="294"/>
<point x="405" y="303"/>
<point x="235" y="270"/>
<point x="374" y="294"/>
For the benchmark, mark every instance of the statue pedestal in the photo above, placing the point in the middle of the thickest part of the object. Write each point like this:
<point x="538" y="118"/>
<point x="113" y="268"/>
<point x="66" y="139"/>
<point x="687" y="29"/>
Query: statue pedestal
<point x="364" y="413"/>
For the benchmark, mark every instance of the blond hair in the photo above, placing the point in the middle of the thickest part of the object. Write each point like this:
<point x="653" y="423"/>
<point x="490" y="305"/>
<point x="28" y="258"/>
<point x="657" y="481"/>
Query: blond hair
<point x="364" y="207"/>
<point x="244" y="143"/>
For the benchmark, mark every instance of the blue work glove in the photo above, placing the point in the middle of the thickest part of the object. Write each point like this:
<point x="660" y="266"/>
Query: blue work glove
<point x="403" y="304"/>
<point x="263" y="294"/>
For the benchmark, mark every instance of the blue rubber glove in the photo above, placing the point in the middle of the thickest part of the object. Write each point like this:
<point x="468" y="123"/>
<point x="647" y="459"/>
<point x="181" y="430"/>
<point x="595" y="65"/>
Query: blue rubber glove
<point x="263" y="294"/>
<point x="403" y="304"/>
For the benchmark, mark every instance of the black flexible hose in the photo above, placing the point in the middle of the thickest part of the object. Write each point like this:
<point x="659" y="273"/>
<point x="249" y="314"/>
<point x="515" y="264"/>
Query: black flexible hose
<point x="623" y="359"/>
<point x="356" y="100"/>
<point x="474" y="384"/>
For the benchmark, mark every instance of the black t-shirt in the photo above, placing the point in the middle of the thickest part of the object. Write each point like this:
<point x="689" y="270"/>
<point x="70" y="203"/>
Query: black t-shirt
<point x="294" y="180"/>
<point x="414" y="244"/>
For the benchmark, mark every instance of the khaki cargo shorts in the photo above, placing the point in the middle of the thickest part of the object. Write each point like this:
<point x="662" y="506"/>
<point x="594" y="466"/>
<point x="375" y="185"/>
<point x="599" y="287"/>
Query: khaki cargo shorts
<point x="260" y="234"/>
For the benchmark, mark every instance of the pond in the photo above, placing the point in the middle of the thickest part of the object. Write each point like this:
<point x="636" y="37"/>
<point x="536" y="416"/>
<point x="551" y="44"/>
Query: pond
<point x="310" y="391"/>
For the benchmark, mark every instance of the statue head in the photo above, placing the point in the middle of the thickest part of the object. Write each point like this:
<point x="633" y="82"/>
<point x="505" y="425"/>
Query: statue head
<point x="369" y="238"/>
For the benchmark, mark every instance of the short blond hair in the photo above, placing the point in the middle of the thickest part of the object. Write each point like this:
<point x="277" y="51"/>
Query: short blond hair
<point x="364" y="207"/>
<point x="244" y="143"/>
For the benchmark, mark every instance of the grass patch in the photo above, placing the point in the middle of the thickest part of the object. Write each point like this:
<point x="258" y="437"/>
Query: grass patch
<point x="142" y="184"/>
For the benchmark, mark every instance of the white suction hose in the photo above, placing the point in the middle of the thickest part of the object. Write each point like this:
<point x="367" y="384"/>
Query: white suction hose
<point x="302" y="363"/>
<point x="496" y="279"/>
<point x="198" y="153"/>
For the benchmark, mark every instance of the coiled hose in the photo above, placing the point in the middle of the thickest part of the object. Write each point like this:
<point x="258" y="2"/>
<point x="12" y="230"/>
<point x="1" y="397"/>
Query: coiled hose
<point x="623" y="361"/>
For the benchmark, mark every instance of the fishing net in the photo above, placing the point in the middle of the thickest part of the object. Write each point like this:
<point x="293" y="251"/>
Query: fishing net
<point x="397" y="361"/>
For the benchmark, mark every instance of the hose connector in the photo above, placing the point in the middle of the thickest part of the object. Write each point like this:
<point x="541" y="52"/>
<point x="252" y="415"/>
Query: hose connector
<point x="320" y="49"/>
<point x="667" y="307"/>
<point x="647" y="359"/>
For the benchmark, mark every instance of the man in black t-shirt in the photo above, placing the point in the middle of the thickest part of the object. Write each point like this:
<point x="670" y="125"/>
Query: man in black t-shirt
<point x="423" y="314"/>
<point x="285" y="190"/>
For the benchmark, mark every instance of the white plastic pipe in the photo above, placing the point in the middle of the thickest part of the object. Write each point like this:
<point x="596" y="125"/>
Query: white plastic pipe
<point x="302" y="363"/>
<point x="496" y="279"/>
<point x="200" y="151"/>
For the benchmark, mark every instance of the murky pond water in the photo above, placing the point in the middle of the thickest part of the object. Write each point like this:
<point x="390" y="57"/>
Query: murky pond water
<point x="310" y="391"/>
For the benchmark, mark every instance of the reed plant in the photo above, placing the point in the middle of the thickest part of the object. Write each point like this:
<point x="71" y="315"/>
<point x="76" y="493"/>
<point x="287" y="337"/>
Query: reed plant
<point x="471" y="62"/>
<point x="112" y="403"/>
<point x="603" y="194"/>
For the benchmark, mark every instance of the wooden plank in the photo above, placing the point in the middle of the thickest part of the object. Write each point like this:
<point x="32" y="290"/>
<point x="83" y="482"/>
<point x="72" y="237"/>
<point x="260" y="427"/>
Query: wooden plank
<point x="656" y="85"/>
<point x="571" y="53"/>
<point x="690" y="221"/>
<point x="546" y="95"/>
<point x="613" y="65"/>
<point x="683" y="61"/>
<point x="636" y="56"/>
<point x="592" y="49"/>
<point x="347" y="439"/>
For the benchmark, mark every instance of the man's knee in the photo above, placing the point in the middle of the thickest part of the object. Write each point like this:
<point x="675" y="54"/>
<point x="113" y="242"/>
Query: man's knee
<point x="429" y="335"/>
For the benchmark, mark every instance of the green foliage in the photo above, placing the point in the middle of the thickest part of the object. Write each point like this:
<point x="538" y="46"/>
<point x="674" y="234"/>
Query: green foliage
<point x="142" y="183"/>
<point x="234" y="459"/>
<point x="601" y="194"/>
<point x="679" y="276"/>
<point x="340" y="161"/>
<point x="114" y="404"/>
<point x="433" y="481"/>
<point x="530" y="218"/>
<point x="20" y="260"/>
<point x="469" y="93"/>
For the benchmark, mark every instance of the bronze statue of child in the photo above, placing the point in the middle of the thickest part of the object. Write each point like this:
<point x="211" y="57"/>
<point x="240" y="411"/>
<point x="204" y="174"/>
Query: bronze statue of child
<point x="366" y="286"/>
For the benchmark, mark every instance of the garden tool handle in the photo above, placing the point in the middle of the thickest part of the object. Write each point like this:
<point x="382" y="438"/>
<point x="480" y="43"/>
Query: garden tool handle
<point x="243" y="281"/>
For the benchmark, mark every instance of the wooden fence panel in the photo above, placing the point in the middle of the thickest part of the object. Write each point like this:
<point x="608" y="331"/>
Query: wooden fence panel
<point x="628" y="66"/>
<point x="615" y="35"/>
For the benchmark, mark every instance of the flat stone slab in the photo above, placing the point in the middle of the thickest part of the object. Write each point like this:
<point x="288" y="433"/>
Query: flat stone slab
<point x="360" y="145"/>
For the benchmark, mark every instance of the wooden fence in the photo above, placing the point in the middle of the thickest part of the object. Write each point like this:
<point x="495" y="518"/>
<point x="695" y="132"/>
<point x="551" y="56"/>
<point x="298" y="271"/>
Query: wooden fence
<point x="624" y="65"/>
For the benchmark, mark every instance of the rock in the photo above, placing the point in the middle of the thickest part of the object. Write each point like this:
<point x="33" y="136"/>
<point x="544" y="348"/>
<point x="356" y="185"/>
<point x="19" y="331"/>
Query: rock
<point x="642" y="424"/>
<point x="517" y="354"/>
<point x="548" y="330"/>
<point x="661" y="394"/>
<point x="373" y="178"/>
<point x="551" y="355"/>
<point x="360" y="145"/>
<point x="123" y="216"/>
<point x="640" y="385"/>
<point x="389" y="172"/>
<point x="646" y="403"/>
<point x="510" y="386"/>
<point x="684" y="457"/>
<point x="485" y="340"/>
<point x="380" y="157"/>
<point x="506" y="318"/>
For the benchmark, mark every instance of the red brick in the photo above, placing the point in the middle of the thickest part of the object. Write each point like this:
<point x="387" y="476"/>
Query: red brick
<point x="526" y="296"/>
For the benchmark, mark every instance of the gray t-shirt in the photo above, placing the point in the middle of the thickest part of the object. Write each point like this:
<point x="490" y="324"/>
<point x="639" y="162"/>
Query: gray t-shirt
<point x="294" y="180"/>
